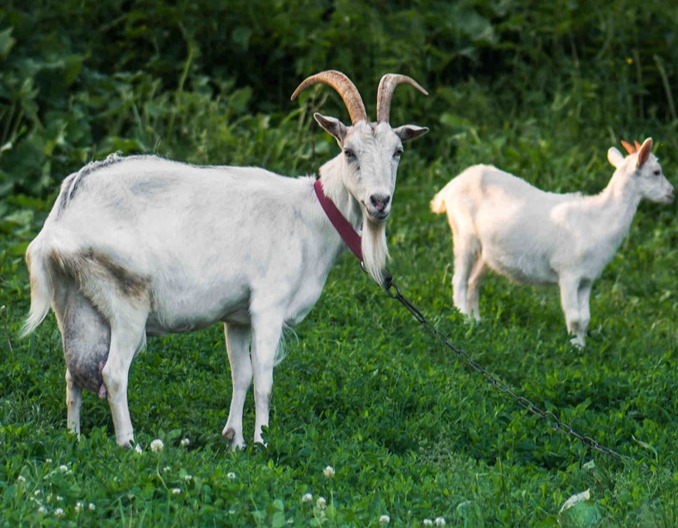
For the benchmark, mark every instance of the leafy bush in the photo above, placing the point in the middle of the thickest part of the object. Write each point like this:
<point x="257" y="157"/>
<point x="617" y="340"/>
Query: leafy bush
<point x="84" y="84"/>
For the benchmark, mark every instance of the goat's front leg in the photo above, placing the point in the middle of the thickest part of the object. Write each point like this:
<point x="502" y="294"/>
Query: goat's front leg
<point x="238" y="349"/>
<point x="584" y="295"/>
<point x="569" y="297"/>
<point x="267" y="331"/>
<point x="73" y="404"/>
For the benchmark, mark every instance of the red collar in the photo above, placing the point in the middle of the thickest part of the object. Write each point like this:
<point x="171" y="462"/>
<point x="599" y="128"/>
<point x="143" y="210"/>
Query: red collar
<point x="346" y="231"/>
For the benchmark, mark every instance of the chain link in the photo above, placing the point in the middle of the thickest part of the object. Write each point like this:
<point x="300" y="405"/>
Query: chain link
<point x="552" y="421"/>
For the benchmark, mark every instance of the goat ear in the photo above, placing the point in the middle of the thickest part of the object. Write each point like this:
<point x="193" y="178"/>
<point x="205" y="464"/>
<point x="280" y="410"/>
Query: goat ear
<point x="644" y="152"/>
<point x="332" y="125"/>
<point x="615" y="157"/>
<point x="407" y="132"/>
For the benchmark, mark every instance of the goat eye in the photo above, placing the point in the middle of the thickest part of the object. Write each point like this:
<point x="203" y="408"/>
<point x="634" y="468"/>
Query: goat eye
<point x="657" y="172"/>
<point x="350" y="155"/>
<point x="398" y="152"/>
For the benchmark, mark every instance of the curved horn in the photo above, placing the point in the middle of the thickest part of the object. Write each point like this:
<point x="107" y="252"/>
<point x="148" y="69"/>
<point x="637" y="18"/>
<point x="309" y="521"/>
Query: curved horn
<point x="343" y="85"/>
<point x="387" y="86"/>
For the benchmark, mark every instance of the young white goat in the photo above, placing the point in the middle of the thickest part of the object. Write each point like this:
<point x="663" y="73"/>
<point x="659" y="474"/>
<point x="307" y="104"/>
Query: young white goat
<point x="503" y="223"/>
<point x="142" y="246"/>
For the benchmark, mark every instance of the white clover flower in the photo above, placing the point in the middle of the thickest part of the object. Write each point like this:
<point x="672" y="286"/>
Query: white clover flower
<point x="21" y="479"/>
<point x="59" y="513"/>
<point x="329" y="472"/>
<point x="306" y="498"/>
<point x="63" y="468"/>
<point x="166" y="469"/>
<point x="321" y="503"/>
<point x="185" y="442"/>
<point x="384" y="519"/>
<point x="37" y="492"/>
<point x="157" y="445"/>
<point x="231" y="476"/>
<point x="48" y="460"/>
<point x="92" y="506"/>
<point x="440" y="521"/>
<point x="59" y="498"/>
<point x="42" y="509"/>
<point x="428" y="522"/>
<point x="188" y="478"/>
<point x="176" y="491"/>
<point x="79" y="506"/>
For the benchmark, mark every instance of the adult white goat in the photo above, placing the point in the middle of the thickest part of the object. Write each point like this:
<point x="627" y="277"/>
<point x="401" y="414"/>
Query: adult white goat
<point x="503" y="223"/>
<point x="142" y="245"/>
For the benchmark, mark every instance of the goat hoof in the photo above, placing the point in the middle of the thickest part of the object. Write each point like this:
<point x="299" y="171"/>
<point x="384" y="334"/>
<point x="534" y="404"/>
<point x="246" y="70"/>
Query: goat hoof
<point x="229" y="434"/>
<point x="577" y="342"/>
<point x="128" y="445"/>
<point x="235" y="442"/>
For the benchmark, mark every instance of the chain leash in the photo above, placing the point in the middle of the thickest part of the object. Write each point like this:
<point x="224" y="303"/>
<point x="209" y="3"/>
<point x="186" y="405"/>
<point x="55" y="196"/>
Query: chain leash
<point x="548" y="417"/>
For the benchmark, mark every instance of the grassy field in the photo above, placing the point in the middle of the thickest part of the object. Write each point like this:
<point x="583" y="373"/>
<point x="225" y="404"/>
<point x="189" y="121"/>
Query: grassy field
<point x="410" y="432"/>
<point x="413" y="436"/>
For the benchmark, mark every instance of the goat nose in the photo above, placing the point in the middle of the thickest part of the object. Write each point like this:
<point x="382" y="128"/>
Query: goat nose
<point x="380" y="201"/>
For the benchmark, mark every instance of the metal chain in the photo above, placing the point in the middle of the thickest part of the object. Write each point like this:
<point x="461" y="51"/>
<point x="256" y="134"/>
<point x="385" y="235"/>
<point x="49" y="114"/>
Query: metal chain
<point x="549" y="417"/>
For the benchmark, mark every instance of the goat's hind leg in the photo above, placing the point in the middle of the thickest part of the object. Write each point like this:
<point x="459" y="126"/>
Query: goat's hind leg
<point x="465" y="257"/>
<point x="124" y="303"/>
<point x="86" y="338"/>
<point x="473" y="292"/>
<point x="73" y="404"/>
<point x="128" y="336"/>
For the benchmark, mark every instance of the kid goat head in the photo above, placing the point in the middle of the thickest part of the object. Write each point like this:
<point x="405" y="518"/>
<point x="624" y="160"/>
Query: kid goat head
<point x="501" y="222"/>
<point x="641" y="172"/>
<point x="141" y="246"/>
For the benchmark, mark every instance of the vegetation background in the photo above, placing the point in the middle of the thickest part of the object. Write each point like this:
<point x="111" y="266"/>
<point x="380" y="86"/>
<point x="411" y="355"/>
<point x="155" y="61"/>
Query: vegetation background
<point x="541" y="89"/>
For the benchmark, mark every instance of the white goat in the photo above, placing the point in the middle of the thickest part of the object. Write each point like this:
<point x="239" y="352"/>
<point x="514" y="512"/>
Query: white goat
<point x="142" y="245"/>
<point x="503" y="223"/>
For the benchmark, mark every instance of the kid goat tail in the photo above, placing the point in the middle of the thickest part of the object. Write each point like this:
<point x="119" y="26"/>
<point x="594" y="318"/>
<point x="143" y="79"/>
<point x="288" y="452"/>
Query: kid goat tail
<point x="438" y="204"/>
<point x="41" y="290"/>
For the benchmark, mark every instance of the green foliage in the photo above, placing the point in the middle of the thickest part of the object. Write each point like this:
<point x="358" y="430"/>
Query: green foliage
<point x="540" y="89"/>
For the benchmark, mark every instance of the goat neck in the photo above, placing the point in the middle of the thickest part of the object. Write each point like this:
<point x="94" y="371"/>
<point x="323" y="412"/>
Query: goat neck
<point x="624" y="192"/>
<point x="615" y="206"/>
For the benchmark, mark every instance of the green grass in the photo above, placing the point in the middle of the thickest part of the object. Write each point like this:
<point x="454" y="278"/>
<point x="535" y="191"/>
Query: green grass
<point x="411" y="432"/>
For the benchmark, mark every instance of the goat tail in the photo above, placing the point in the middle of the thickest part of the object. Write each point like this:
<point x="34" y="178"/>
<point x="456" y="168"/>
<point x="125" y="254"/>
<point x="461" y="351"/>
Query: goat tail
<point x="438" y="203"/>
<point x="41" y="290"/>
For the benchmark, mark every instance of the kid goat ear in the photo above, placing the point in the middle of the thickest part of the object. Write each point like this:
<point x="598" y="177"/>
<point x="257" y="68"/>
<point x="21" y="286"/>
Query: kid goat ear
<point x="644" y="152"/>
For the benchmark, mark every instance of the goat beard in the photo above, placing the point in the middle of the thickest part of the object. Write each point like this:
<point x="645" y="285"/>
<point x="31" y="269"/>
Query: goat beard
<point x="375" y="250"/>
